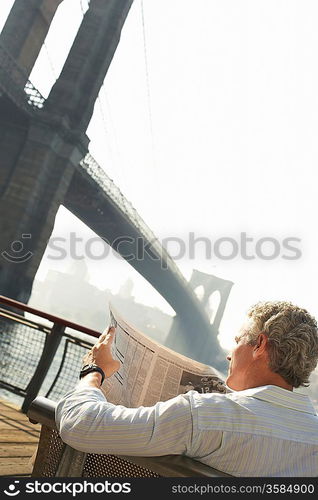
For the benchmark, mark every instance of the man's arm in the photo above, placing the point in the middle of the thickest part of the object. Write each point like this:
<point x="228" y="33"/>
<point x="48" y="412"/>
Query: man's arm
<point x="88" y="422"/>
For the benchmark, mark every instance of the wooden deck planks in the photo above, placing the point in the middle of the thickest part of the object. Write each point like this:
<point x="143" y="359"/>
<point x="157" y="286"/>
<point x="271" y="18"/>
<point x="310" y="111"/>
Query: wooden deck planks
<point x="18" y="441"/>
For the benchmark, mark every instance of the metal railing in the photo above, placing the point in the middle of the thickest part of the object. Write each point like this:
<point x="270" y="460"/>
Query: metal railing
<point x="14" y="81"/>
<point x="42" y="354"/>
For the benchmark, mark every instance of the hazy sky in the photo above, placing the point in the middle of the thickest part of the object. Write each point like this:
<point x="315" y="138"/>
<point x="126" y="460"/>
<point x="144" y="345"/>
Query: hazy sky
<point x="216" y="135"/>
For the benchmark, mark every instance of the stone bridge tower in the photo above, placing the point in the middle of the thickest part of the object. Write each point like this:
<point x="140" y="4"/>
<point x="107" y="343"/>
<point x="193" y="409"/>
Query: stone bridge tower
<point x="41" y="147"/>
<point x="212" y="285"/>
<point x="179" y="338"/>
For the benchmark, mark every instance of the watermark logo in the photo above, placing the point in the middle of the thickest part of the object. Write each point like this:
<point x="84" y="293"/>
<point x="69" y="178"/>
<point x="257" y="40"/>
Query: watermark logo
<point x="13" y="492"/>
<point x="73" y="488"/>
<point x="243" y="246"/>
<point x="18" y="253"/>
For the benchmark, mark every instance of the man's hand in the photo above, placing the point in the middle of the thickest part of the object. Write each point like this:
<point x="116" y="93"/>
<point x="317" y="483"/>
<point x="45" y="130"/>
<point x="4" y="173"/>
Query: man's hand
<point x="101" y="355"/>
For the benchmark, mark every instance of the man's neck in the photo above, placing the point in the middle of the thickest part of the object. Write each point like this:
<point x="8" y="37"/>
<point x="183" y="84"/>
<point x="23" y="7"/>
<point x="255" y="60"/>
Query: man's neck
<point x="274" y="379"/>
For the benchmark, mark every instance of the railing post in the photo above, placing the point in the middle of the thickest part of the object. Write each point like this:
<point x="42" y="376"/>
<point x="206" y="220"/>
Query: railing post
<point x="52" y="342"/>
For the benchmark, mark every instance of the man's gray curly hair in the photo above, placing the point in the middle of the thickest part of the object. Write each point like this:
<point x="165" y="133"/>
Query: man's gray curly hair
<point x="293" y="339"/>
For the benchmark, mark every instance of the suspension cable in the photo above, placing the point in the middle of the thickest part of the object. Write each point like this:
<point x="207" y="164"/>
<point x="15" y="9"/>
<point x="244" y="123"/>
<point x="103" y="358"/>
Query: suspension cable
<point x="149" y="101"/>
<point x="113" y="129"/>
<point x="52" y="67"/>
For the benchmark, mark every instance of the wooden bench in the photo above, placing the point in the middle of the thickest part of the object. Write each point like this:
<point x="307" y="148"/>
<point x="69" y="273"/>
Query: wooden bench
<point x="54" y="458"/>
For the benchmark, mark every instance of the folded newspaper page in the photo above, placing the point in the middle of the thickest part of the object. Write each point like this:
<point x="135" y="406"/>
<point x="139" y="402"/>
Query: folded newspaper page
<point x="151" y="372"/>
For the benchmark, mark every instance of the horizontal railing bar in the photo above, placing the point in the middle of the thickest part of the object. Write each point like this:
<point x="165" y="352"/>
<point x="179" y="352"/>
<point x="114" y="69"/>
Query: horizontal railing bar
<point x="49" y="317"/>
<point x="12" y="388"/>
<point x="76" y="340"/>
<point x="16" y="318"/>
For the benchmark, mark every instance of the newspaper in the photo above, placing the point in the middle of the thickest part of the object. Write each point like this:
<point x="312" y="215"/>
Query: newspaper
<point x="150" y="372"/>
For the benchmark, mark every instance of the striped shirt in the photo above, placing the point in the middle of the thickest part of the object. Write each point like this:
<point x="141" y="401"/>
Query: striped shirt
<point x="265" y="431"/>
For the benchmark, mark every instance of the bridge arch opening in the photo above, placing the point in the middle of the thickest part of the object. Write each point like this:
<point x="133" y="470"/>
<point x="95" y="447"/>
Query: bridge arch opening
<point x="199" y="291"/>
<point x="213" y="305"/>
<point x="57" y="45"/>
<point x="6" y="6"/>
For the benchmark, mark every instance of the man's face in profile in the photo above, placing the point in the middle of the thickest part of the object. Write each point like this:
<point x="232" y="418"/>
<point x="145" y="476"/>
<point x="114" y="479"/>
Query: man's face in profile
<point x="240" y="358"/>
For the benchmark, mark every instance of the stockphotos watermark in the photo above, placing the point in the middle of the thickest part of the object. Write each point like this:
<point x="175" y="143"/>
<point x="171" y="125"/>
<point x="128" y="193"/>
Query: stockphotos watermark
<point x="243" y="246"/>
<point x="60" y="487"/>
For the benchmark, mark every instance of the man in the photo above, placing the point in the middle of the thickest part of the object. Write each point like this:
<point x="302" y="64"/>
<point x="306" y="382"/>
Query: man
<point x="259" y="428"/>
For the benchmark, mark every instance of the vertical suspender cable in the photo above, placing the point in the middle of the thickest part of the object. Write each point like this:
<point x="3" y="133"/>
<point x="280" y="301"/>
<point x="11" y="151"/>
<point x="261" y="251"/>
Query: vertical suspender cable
<point x="148" y="84"/>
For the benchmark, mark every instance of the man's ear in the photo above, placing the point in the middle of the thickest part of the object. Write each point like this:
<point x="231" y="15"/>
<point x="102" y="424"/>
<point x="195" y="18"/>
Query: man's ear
<point x="260" y="347"/>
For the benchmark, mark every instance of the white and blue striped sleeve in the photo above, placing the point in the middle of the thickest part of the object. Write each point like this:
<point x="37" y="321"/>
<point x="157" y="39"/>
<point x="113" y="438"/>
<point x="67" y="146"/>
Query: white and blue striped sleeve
<point x="88" y="422"/>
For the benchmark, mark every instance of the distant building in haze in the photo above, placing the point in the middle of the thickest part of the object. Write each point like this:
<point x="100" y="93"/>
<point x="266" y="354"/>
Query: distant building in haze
<point x="71" y="296"/>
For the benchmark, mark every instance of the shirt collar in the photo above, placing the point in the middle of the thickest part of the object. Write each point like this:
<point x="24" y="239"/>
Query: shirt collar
<point x="279" y="396"/>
